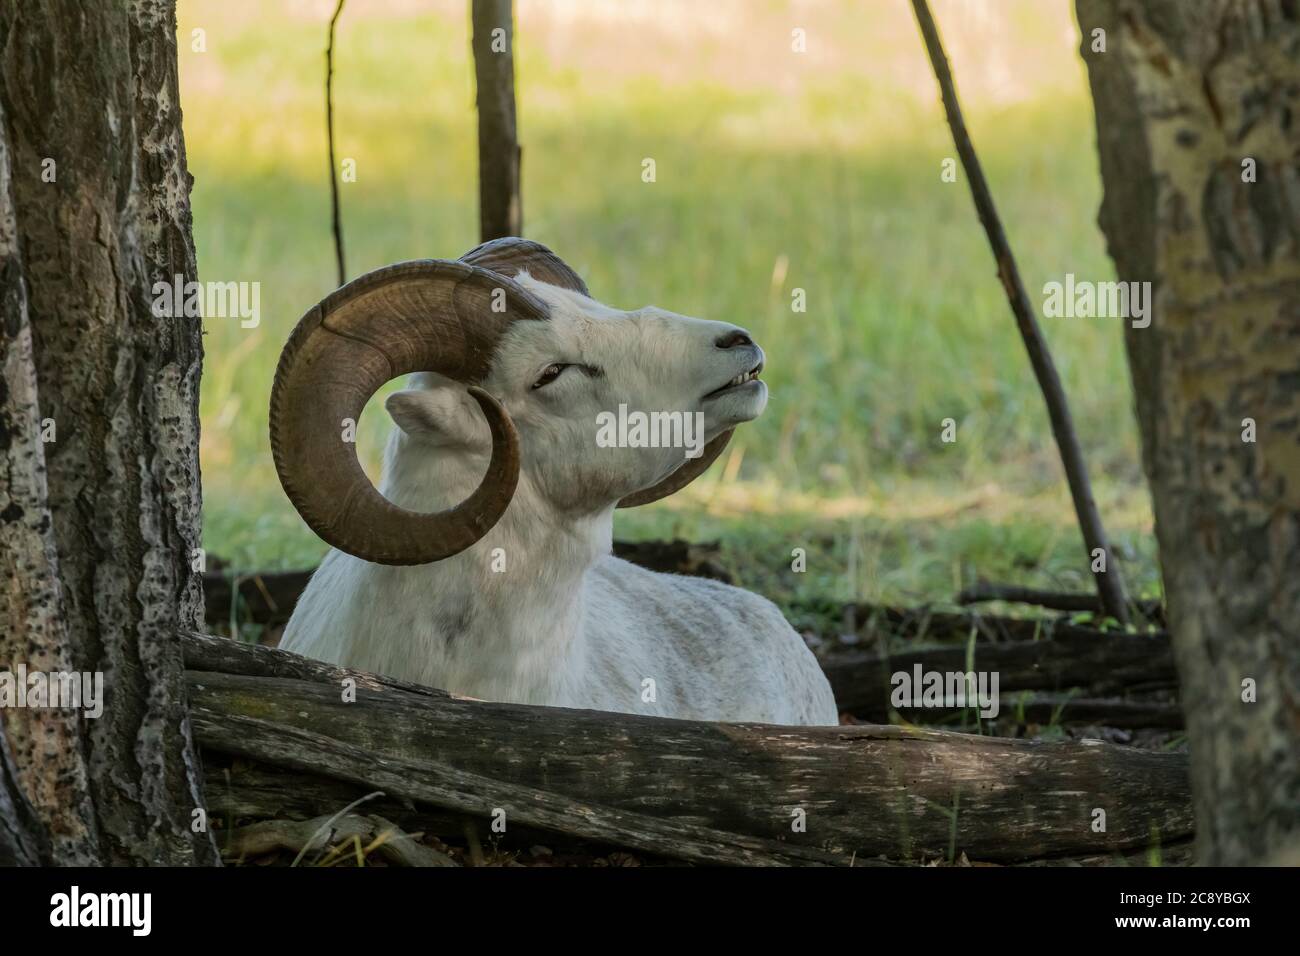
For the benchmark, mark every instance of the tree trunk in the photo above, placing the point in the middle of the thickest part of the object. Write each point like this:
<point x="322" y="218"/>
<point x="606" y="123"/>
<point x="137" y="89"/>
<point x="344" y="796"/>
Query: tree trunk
<point x="500" y="206"/>
<point x="99" y="512"/>
<point x="1198" y="129"/>
<point x="23" y="838"/>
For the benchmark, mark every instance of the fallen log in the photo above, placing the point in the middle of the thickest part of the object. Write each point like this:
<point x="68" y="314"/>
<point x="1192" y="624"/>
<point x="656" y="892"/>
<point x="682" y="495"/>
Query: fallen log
<point x="685" y="789"/>
<point x="1102" y="664"/>
<point x="1024" y="709"/>
<point x="1181" y="853"/>
<point x="1072" y="601"/>
<point x="239" y="789"/>
<point x="444" y="785"/>
<point x="301" y="836"/>
<point x="926" y="623"/>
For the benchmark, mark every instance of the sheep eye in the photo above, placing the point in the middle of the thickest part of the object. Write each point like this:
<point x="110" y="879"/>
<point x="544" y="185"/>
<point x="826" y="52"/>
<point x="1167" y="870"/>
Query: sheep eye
<point x="549" y="375"/>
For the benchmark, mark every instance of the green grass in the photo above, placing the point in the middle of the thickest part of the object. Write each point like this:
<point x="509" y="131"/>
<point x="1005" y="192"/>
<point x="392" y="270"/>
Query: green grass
<point x="828" y="183"/>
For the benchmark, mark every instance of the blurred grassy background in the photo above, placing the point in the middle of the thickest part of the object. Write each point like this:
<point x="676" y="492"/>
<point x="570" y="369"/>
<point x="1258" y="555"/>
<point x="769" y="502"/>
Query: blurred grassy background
<point x="775" y="170"/>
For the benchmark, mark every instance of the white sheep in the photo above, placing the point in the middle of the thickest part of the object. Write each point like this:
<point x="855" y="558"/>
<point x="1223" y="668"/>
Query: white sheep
<point x="485" y="566"/>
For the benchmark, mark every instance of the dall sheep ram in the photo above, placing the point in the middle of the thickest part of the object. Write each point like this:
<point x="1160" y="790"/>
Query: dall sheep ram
<point x="484" y="567"/>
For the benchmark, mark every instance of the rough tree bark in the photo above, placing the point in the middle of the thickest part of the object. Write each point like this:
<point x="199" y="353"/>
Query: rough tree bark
<point x="23" y="839"/>
<point x="1198" y="129"/>
<point x="99" y="508"/>
<point x="500" y="206"/>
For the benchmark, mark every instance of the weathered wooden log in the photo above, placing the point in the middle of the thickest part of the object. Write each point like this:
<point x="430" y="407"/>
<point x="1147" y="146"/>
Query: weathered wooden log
<point x="225" y="656"/>
<point x="1103" y="664"/>
<point x="302" y="836"/>
<point x="239" y="789"/>
<point x="1053" y="600"/>
<point x="722" y="792"/>
<point x="1180" y="853"/>
<point x="927" y="623"/>
<point x="444" y="785"/>
<point x="1025" y="708"/>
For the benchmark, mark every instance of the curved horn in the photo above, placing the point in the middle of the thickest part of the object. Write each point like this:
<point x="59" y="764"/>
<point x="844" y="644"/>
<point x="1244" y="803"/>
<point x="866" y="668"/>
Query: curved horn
<point x="683" y="476"/>
<point x="511" y="255"/>
<point x="427" y="315"/>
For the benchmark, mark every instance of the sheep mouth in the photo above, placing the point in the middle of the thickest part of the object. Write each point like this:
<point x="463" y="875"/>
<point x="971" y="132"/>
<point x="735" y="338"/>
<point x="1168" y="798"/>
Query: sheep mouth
<point x="739" y="381"/>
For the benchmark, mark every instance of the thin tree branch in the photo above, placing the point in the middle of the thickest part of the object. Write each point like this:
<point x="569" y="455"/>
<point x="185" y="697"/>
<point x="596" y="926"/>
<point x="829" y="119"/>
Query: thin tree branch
<point x="329" y="132"/>
<point x="1052" y="600"/>
<point x="1110" y="582"/>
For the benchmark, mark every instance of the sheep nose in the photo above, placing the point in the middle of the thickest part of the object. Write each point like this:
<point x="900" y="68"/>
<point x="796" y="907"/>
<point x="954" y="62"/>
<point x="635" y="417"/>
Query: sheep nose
<point x="734" y="340"/>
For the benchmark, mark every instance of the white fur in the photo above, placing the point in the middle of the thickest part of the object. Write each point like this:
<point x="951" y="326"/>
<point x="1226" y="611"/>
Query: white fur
<point x="565" y="623"/>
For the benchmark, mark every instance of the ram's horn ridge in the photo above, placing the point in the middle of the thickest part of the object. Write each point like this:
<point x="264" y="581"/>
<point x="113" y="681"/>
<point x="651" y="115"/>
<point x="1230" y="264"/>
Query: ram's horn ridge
<point x="511" y="255"/>
<point x="426" y="315"/>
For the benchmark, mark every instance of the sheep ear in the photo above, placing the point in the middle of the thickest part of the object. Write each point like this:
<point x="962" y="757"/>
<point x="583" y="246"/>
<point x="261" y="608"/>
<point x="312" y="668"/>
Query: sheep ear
<point x="446" y="416"/>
